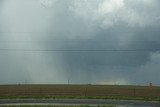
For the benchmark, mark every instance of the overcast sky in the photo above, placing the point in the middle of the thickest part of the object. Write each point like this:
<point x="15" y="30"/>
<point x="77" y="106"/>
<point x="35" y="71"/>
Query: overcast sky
<point x="80" y="41"/>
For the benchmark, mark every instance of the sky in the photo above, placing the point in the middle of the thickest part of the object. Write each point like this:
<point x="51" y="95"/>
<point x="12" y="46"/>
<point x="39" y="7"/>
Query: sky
<point x="80" y="42"/>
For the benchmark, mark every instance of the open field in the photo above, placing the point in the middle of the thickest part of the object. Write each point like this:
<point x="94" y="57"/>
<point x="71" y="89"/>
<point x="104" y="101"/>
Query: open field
<point x="80" y="91"/>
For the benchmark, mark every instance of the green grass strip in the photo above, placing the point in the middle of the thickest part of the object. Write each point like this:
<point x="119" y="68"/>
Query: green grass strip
<point x="84" y="97"/>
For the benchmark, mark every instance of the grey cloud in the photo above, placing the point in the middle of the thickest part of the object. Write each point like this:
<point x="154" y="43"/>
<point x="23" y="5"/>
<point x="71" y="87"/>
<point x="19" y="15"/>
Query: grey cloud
<point x="81" y="25"/>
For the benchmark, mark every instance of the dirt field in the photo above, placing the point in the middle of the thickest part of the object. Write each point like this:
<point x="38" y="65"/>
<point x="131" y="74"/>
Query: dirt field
<point x="78" y="90"/>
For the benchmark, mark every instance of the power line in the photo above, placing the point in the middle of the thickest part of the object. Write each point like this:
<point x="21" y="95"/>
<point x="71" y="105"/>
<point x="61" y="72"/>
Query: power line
<point x="68" y="33"/>
<point x="106" y="41"/>
<point x="109" y="31"/>
<point x="81" y="50"/>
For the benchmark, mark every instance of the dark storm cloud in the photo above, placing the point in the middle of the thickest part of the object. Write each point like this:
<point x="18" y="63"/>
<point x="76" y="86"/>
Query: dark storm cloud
<point x="82" y="25"/>
<point x="114" y="38"/>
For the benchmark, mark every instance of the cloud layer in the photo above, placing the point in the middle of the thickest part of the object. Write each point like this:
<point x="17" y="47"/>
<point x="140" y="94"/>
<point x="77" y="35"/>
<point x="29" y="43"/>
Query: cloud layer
<point x="80" y="25"/>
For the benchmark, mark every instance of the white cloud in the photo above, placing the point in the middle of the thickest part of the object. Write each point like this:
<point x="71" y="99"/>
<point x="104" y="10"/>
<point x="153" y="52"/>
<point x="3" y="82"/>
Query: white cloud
<point x="47" y="3"/>
<point x="109" y="6"/>
<point x="112" y="12"/>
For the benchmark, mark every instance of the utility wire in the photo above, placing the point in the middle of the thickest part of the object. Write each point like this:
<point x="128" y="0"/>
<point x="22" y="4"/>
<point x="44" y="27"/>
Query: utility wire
<point x="81" y="50"/>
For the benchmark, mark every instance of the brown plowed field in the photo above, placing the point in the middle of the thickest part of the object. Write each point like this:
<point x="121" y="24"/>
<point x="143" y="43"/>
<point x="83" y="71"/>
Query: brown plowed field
<point x="78" y="90"/>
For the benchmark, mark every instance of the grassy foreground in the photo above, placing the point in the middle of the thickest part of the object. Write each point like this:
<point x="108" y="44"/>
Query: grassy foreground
<point x="84" y="97"/>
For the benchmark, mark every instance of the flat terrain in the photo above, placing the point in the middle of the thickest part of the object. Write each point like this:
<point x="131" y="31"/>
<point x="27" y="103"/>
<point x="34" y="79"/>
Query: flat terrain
<point x="80" y="91"/>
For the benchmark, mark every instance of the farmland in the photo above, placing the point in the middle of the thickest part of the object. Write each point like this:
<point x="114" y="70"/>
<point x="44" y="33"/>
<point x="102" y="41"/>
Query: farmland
<point x="80" y="91"/>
